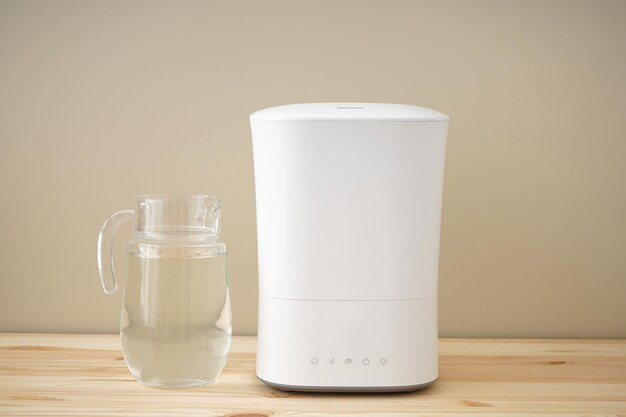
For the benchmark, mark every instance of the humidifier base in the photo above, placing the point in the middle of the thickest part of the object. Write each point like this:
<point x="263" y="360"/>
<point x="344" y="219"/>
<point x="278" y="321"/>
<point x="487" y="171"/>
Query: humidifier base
<point x="347" y="345"/>
<point x="371" y="390"/>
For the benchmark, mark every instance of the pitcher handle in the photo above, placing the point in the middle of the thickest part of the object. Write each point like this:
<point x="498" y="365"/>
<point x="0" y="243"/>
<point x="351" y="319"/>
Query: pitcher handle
<point x="105" y="248"/>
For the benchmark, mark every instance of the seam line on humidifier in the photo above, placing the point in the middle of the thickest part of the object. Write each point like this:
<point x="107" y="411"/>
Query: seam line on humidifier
<point x="326" y="299"/>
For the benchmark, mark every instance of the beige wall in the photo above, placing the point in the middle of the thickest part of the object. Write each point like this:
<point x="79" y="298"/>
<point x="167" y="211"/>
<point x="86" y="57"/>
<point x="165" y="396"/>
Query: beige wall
<point x="101" y="101"/>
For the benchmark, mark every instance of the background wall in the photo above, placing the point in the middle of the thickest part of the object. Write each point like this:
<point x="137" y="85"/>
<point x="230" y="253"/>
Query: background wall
<point x="102" y="101"/>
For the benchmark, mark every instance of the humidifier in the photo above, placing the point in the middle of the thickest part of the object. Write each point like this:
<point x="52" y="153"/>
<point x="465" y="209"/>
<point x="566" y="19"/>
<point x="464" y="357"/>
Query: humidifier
<point x="348" y="205"/>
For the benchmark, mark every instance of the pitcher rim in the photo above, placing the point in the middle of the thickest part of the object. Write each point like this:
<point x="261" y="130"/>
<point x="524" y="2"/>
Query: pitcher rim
<point x="181" y="197"/>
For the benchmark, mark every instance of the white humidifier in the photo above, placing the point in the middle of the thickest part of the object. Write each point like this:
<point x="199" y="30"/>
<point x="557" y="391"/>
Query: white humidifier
<point x="348" y="203"/>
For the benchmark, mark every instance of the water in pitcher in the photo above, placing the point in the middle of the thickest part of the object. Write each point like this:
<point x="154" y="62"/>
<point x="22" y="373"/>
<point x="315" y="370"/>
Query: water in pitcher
<point x="176" y="323"/>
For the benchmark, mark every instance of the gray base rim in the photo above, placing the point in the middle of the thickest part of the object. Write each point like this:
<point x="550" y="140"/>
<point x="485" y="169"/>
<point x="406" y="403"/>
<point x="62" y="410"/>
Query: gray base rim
<point x="344" y="389"/>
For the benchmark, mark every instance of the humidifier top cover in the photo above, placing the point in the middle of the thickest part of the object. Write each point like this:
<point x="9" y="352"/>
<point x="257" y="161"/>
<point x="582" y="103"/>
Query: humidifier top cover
<point x="350" y="111"/>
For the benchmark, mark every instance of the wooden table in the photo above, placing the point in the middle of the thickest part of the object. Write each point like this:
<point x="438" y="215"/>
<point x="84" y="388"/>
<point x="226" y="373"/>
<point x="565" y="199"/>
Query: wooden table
<point x="86" y="375"/>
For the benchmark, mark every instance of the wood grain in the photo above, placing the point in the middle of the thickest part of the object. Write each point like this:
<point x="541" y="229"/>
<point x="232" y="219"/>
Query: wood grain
<point x="70" y="375"/>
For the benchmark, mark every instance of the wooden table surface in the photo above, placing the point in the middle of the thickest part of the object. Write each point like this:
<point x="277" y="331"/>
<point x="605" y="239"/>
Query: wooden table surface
<point x="86" y="375"/>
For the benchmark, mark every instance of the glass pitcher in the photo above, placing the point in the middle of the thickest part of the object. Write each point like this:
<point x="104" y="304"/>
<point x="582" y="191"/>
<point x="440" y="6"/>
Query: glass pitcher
<point x="176" y="319"/>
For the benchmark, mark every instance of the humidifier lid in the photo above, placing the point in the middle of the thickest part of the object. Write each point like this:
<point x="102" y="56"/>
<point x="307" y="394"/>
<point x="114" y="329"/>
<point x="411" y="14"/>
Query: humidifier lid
<point x="350" y="111"/>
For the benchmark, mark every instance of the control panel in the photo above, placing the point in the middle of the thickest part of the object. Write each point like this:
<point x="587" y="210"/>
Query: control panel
<point x="349" y="361"/>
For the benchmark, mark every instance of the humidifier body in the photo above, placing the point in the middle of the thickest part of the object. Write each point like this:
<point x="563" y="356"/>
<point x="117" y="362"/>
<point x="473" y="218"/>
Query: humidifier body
<point x="348" y="200"/>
